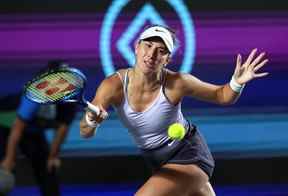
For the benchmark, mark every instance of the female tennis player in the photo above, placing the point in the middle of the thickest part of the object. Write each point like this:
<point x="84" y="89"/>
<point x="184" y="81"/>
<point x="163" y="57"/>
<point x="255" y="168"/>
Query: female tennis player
<point x="148" y="98"/>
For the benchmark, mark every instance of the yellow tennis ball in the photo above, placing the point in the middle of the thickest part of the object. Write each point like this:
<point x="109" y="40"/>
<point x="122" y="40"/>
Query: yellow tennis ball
<point x="176" y="131"/>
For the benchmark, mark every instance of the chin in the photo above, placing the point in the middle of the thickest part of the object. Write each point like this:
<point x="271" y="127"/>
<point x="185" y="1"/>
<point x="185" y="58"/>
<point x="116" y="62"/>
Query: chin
<point x="147" y="70"/>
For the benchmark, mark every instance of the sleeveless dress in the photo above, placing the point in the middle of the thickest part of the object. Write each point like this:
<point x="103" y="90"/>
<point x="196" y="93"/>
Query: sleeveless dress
<point x="148" y="128"/>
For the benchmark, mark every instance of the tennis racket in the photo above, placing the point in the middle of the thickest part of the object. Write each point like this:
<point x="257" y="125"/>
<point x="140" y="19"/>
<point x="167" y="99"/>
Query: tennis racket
<point x="62" y="84"/>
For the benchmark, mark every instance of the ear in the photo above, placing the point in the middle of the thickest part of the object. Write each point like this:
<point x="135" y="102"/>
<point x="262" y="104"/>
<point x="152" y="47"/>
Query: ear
<point x="168" y="60"/>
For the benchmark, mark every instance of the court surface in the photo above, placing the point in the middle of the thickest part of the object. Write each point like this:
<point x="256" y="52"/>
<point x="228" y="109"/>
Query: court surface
<point x="129" y="189"/>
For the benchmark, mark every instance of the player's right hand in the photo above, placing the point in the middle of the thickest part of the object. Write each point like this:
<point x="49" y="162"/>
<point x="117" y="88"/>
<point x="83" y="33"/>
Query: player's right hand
<point x="91" y="122"/>
<point x="98" y="117"/>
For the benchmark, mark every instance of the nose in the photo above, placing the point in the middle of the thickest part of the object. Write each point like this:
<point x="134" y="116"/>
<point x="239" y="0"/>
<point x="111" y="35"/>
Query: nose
<point x="151" y="53"/>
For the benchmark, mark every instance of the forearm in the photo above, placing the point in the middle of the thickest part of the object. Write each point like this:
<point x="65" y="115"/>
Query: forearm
<point x="229" y="93"/>
<point x="59" y="138"/>
<point x="226" y="96"/>
<point x="104" y="97"/>
<point x="12" y="144"/>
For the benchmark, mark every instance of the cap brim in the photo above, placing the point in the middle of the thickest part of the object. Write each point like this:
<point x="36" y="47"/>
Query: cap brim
<point x="161" y="32"/>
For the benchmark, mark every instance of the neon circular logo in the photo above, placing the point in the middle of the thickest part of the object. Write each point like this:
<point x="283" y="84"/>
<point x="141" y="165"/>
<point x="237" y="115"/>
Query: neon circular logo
<point x="147" y="12"/>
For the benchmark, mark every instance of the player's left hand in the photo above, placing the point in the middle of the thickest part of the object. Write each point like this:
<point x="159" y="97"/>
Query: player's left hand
<point x="248" y="70"/>
<point x="53" y="164"/>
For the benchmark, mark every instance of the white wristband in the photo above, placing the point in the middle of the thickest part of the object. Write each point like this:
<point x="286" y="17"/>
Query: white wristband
<point x="236" y="86"/>
<point x="93" y="108"/>
<point x="91" y="123"/>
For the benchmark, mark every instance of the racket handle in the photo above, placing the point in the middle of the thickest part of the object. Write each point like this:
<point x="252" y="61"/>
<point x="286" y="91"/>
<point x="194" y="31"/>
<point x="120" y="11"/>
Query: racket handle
<point x="93" y="108"/>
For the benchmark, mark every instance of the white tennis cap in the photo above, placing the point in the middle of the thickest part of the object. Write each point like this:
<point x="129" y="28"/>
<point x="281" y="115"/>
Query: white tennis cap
<point x="159" y="31"/>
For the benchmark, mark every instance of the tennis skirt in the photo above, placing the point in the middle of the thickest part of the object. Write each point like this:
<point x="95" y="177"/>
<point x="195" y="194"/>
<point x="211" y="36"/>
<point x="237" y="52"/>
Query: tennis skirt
<point x="192" y="149"/>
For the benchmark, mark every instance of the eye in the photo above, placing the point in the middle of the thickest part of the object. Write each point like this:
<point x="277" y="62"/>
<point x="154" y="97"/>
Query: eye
<point x="162" y="51"/>
<point x="148" y="45"/>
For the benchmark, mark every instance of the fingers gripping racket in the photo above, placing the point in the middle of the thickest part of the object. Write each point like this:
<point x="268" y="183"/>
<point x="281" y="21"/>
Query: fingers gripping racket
<point x="64" y="84"/>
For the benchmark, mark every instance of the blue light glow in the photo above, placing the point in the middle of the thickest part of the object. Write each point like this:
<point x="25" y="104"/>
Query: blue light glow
<point x="148" y="12"/>
<point x="105" y="36"/>
<point x="187" y="23"/>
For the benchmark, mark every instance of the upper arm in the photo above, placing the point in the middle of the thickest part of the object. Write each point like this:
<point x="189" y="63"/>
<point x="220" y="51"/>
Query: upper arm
<point x="189" y="85"/>
<point x="109" y="92"/>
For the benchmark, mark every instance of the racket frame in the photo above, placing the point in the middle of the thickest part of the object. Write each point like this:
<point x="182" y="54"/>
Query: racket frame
<point x="75" y="97"/>
<point x="67" y="98"/>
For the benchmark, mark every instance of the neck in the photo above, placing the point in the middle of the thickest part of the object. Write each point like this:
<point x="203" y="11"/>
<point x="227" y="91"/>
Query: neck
<point x="146" y="81"/>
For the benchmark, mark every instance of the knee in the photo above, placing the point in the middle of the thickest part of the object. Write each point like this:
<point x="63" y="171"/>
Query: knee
<point x="205" y="190"/>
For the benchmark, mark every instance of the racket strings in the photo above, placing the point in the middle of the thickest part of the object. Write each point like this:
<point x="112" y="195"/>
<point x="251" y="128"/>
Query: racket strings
<point x="54" y="82"/>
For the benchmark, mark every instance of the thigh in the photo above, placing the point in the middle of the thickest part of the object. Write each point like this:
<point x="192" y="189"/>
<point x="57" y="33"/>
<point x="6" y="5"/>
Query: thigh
<point x="174" y="179"/>
<point x="207" y="190"/>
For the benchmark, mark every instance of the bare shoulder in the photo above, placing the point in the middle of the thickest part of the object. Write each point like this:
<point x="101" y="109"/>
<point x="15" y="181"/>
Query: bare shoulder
<point x="121" y="72"/>
<point x="177" y="79"/>
<point x="180" y="84"/>
<point x="111" y="88"/>
<point x="114" y="81"/>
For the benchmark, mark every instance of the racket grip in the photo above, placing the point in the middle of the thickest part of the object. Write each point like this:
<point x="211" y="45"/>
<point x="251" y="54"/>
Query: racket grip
<point x="93" y="108"/>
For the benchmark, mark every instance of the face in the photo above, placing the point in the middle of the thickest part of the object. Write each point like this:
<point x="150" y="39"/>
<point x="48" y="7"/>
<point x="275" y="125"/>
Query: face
<point x="151" y="55"/>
